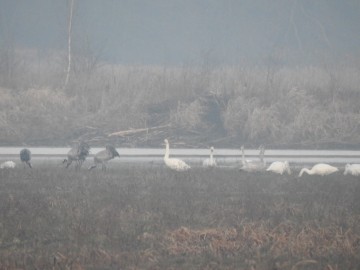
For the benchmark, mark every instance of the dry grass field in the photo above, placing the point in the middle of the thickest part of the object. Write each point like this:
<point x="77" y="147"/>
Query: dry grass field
<point x="151" y="218"/>
<point x="199" y="106"/>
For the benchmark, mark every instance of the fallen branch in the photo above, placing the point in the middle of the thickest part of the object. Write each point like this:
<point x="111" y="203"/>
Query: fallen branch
<point x="134" y="131"/>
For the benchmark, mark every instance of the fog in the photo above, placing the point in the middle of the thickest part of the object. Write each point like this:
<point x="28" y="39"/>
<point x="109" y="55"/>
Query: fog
<point x="180" y="32"/>
<point x="91" y="92"/>
<point x="203" y="72"/>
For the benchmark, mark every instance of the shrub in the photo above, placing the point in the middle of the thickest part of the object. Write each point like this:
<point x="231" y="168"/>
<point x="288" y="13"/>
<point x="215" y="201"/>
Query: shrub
<point x="217" y="103"/>
<point x="188" y="116"/>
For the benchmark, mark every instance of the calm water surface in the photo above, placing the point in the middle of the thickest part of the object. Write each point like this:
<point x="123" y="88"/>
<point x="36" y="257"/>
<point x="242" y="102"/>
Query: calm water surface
<point x="230" y="157"/>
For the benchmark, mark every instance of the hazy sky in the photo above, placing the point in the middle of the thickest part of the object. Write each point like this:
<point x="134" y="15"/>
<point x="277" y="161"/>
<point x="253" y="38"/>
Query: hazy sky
<point x="182" y="31"/>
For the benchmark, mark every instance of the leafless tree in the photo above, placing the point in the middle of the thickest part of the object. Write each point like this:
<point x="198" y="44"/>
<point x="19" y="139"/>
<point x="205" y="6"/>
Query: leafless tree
<point x="71" y="12"/>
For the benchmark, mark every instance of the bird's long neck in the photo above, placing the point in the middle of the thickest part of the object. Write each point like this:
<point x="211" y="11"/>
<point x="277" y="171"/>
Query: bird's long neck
<point x="261" y="155"/>
<point x="243" y="156"/>
<point x="305" y="170"/>
<point x="167" y="150"/>
<point x="287" y="168"/>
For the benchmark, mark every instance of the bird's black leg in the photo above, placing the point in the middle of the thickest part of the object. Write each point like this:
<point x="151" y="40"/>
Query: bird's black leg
<point x="68" y="163"/>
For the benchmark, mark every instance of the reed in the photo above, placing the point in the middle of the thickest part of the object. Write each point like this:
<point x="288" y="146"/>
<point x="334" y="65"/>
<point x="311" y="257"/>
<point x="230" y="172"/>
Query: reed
<point x="199" y="104"/>
<point x="140" y="217"/>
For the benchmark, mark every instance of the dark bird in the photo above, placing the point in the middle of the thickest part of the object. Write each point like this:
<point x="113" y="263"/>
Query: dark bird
<point x="77" y="154"/>
<point x="25" y="156"/>
<point x="104" y="156"/>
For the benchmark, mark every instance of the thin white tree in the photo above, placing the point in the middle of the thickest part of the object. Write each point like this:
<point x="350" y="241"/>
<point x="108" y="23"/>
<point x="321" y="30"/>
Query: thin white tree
<point x="71" y="12"/>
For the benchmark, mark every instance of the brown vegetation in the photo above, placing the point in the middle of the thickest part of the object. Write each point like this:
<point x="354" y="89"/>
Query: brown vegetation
<point x="153" y="218"/>
<point x="297" y="106"/>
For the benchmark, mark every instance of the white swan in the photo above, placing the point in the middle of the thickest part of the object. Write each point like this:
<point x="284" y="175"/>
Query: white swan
<point x="319" y="169"/>
<point x="174" y="163"/>
<point x="353" y="169"/>
<point x="243" y="160"/>
<point x="210" y="162"/>
<point x="253" y="165"/>
<point x="8" y="165"/>
<point x="279" y="167"/>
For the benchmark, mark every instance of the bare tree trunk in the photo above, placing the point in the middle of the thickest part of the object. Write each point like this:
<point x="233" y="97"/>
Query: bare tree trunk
<point x="69" y="42"/>
<point x="292" y="21"/>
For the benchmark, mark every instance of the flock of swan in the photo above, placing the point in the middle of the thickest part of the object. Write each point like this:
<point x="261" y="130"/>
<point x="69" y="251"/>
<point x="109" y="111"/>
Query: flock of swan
<point x="279" y="167"/>
<point x="79" y="153"/>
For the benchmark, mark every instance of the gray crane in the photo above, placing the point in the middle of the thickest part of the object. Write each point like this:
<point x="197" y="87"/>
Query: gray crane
<point x="77" y="154"/>
<point x="25" y="156"/>
<point x="104" y="156"/>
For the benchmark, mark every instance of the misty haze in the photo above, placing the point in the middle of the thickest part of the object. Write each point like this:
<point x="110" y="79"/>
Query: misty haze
<point x="177" y="134"/>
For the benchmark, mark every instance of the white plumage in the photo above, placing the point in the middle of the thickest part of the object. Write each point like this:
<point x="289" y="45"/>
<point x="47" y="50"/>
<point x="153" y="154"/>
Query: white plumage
<point x="353" y="169"/>
<point x="253" y="165"/>
<point x="210" y="162"/>
<point x="7" y="164"/>
<point x="319" y="169"/>
<point x="279" y="167"/>
<point x="174" y="163"/>
<point x="243" y="160"/>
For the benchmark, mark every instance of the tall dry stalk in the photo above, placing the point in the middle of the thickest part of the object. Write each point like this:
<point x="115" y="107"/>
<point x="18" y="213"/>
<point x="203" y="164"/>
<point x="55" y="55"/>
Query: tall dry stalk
<point x="69" y="42"/>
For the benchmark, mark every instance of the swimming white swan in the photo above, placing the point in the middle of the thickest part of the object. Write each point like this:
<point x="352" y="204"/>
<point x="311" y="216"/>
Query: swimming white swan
<point x="353" y="169"/>
<point x="319" y="169"/>
<point x="210" y="162"/>
<point x="253" y="165"/>
<point x="279" y="167"/>
<point x="174" y="163"/>
<point x="8" y="165"/>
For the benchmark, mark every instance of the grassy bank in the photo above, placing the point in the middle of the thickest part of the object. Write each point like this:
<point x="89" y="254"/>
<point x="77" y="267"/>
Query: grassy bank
<point x="152" y="218"/>
<point x="202" y="105"/>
